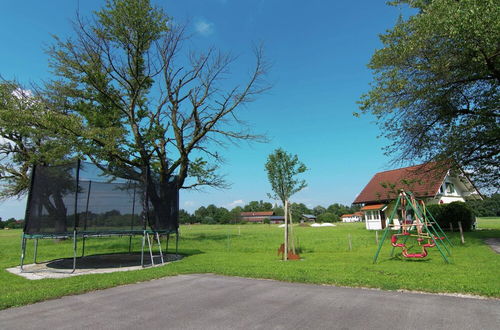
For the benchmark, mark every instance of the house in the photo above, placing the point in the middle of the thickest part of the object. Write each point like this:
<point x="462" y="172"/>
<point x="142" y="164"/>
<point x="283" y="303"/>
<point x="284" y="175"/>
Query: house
<point x="308" y="217"/>
<point x="257" y="217"/>
<point x="355" y="217"/>
<point x="433" y="182"/>
<point x="277" y="219"/>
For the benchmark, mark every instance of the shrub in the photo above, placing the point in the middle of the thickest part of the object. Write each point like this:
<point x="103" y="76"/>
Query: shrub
<point x="267" y="221"/>
<point x="453" y="213"/>
<point x="327" y="217"/>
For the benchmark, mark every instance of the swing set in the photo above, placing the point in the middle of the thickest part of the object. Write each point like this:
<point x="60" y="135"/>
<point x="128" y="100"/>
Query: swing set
<point x="416" y="222"/>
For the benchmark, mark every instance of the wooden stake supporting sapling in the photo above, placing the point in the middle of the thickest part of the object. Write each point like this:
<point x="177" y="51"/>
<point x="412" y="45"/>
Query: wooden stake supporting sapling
<point x="461" y="232"/>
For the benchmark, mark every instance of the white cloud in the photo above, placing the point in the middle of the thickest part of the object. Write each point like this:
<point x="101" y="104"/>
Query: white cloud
<point x="188" y="203"/>
<point x="236" y="203"/>
<point x="204" y="27"/>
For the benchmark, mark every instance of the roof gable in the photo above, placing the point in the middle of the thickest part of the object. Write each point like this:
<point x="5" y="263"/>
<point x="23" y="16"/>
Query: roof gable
<point x="422" y="180"/>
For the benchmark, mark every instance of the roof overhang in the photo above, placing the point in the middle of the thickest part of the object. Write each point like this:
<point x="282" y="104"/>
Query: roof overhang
<point x="373" y="207"/>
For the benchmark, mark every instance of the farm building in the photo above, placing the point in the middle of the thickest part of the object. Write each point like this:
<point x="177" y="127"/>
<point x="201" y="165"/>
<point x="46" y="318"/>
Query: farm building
<point x="308" y="217"/>
<point x="355" y="217"/>
<point x="435" y="183"/>
<point x="257" y="217"/>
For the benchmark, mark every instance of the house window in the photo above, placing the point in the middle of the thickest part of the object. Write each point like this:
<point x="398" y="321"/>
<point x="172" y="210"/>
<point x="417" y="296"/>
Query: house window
<point x="441" y="190"/>
<point x="450" y="188"/>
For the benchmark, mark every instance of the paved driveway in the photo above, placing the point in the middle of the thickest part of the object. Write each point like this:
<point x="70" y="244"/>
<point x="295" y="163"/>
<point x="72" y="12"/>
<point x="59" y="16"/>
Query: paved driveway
<point x="219" y="302"/>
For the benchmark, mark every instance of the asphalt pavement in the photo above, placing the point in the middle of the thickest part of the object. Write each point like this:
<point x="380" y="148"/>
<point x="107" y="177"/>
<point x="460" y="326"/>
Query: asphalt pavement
<point x="205" y="301"/>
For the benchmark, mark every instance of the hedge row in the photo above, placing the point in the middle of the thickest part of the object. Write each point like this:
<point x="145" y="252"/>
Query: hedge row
<point x="446" y="214"/>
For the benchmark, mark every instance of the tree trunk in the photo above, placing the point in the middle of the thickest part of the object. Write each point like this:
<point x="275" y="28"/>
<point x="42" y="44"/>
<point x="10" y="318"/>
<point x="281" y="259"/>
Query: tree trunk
<point x="285" y="253"/>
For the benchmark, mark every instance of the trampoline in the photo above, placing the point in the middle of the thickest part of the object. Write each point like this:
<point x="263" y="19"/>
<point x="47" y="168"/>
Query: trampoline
<point x="79" y="200"/>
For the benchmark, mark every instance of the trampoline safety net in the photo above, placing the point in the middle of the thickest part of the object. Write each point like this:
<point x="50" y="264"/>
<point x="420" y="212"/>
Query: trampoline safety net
<point x="80" y="197"/>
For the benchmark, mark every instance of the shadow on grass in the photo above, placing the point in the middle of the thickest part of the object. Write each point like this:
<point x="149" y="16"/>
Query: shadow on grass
<point x="117" y="260"/>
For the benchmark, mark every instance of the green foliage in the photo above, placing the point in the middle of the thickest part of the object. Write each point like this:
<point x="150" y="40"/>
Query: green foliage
<point x="489" y="207"/>
<point x="327" y="217"/>
<point x="258" y="206"/>
<point x="282" y="169"/>
<point x="12" y="223"/>
<point x="452" y="213"/>
<point x="252" y="253"/>
<point x="266" y="221"/>
<point x="436" y="85"/>
<point x="128" y="97"/>
<point x="25" y="138"/>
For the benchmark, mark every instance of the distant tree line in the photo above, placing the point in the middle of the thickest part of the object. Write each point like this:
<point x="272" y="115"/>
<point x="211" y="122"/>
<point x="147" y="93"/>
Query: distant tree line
<point x="489" y="207"/>
<point x="11" y="223"/>
<point x="212" y="214"/>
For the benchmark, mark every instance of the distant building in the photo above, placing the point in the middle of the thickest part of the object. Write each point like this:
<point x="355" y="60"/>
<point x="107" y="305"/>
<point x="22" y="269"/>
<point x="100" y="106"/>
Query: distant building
<point x="308" y="217"/>
<point x="435" y="183"/>
<point x="257" y="217"/>
<point x="277" y="219"/>
<point x="355" y="217"/>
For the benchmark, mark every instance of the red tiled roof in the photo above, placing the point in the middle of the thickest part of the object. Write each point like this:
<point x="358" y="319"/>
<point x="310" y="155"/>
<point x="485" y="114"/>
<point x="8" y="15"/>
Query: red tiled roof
<point x="422" y="180"/>
<point x="256" y="214"/>
<point x="359" y="214"/>
<point x="373" y="207"/>
<point x="346" y="215"/>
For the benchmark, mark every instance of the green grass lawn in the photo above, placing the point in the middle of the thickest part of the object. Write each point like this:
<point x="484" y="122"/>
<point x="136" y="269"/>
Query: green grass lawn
<point x="220" y="249"/>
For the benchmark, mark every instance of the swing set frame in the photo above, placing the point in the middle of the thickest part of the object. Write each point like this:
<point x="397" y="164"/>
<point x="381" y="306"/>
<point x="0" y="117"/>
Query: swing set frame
<point x="424" y="227"/>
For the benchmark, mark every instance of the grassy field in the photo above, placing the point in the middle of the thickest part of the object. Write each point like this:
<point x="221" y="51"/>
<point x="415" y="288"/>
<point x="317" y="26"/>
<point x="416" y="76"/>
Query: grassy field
<point x="250" y="251"/>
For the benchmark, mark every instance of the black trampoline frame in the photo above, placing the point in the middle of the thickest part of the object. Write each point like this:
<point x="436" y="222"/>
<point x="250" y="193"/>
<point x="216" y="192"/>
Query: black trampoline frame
<point x="146" y="233"/>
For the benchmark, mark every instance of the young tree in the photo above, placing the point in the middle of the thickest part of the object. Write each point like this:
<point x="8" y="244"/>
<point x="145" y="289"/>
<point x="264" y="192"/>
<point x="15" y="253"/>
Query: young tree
<point x="282" y="170"/>
<point x="436" y="89"/>
<point x="141" y="107"/>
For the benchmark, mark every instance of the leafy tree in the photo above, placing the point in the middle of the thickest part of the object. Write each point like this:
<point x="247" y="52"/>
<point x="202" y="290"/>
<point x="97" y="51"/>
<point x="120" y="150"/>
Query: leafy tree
<point x="298" y="209"/>
<point x="130" y="99"/>
<point x="317" y="210"/>
<point x="327" y="217"/>
<point x="236" y="214"/>
<point x="185" y="217"/>
<point x="258" y="206"/>
<point x="338" y="209"/>
<point x="24" y="138"/>
<point x="436" y="86"/>
<point x="282" y="169"/>
<point x="489" y="207"/>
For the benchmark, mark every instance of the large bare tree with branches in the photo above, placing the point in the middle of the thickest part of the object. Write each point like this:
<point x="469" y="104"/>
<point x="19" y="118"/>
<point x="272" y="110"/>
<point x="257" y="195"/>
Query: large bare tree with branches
<point x="139" y="105"/>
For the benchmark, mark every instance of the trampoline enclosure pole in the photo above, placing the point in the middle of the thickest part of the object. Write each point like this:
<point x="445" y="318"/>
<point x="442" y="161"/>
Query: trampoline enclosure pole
<point x="177" y="244"/>
<point x="74" y="251"/>
<point x="166" y="244"/>
<point x="159" y="247"/>
<point x="150" y="251"/>
<point x="23" y="251"/>
<point x="36" y="250"/>
<point x="142" y="248"/>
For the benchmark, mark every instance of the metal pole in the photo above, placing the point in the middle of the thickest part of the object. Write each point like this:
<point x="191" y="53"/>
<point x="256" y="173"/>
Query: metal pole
<point x="86" y="216"/>
<point x="36" y="250"/>
<point x="23" y="251"/>
<point x="177" y="244"/>
<point x="159" y="247"/>
<point x="150" y="250"/>
<point x="74" y="251"/>
<point x="166" y="244"/>
<point x="142" y="249"/>
<point x="386" y="230"/>
<point x="132" y="221"/>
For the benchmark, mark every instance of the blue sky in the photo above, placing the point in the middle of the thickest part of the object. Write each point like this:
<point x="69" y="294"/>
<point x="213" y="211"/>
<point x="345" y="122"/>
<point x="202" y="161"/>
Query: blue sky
<point x="318" y="51"/>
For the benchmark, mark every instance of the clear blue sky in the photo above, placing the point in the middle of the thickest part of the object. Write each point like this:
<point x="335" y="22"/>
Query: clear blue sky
<point x="318" y="50"/>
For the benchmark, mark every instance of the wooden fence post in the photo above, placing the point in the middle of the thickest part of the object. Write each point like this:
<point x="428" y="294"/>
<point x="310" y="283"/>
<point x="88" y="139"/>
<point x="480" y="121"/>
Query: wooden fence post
<point x="461" y="232"/>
